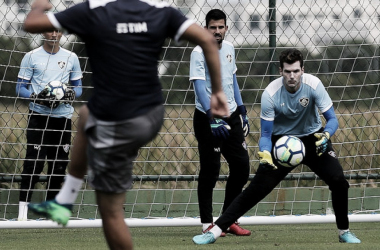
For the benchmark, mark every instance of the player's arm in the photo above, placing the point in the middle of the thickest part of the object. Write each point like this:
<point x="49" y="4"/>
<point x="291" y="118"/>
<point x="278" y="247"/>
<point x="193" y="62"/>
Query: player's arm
<point x="219" y="127"/>
<point x="265" y="143"/>
<point x="77" y="87"/>
<point x="330" y="129"/>
<point x="237" y="95"/>
<point x="37" y="21"/>
<point x="240" y="107"/>
<point x="201" y="91"/>
<point x="22" y="88"/>
<point x="23" y="91"/>
<point x="73" y="91"/>
<point x="332" y="123"/>
<point x="197" y="35"/>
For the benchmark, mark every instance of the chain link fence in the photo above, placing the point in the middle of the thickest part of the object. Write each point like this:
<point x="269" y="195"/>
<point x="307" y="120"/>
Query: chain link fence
<point x="339" y="39"/>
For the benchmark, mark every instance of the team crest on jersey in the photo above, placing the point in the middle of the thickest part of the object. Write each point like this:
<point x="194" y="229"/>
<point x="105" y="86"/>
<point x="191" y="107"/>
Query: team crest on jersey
<point x="304" y="102"/>
<point x="61" y="64"/>
<point x="229" y="57"/>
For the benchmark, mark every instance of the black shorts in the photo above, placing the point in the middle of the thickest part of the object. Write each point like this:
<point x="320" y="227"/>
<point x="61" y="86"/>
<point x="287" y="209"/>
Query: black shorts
<point x="113" y="146"/>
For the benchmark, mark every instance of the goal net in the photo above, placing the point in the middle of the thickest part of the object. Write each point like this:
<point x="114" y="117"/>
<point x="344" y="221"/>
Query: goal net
<point x="340" y="41"/>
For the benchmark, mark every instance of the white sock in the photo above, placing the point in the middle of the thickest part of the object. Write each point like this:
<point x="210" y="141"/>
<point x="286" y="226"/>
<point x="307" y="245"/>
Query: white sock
<point x="341" y="232"/>
<point x="69" y="191"/>
<point x="205" y="226"/>
<point x="216" y="231"/>
<point x="22" y="210"/>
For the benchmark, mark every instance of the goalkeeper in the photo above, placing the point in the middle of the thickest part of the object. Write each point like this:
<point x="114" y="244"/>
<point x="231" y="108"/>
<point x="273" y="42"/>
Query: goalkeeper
<point x="289" y="106"/>
<point x="49" y="122"/>
<point x="218" y="137"/>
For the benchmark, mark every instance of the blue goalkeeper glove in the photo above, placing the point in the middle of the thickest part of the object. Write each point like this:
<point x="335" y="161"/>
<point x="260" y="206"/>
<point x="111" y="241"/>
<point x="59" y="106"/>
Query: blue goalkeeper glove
<point x="266" y="159"/>
<point x="321" y="144"/>
<point x="219" y="127"/>
<point x="244" y="119"/>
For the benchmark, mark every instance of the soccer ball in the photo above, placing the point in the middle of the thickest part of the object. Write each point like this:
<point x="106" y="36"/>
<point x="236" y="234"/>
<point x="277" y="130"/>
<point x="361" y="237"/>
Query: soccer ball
<point x="289" y="151"/>
<point x="57" y="89"/>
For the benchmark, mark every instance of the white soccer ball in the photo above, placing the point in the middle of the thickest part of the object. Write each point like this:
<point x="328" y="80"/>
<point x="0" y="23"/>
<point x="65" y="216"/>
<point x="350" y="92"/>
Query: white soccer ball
<point x="57" y="89"/>
<point x="289" y="151"/>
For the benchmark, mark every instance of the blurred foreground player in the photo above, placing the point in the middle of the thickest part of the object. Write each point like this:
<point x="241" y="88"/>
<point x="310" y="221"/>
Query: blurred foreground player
<point x="123" y="40"/>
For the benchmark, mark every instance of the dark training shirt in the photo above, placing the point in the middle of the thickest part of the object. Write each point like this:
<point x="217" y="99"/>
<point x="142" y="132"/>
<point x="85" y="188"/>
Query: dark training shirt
<point x="123" y="41"/>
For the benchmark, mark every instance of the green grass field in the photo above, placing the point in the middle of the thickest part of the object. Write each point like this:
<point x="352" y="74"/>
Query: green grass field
<point x="305" y="237"/>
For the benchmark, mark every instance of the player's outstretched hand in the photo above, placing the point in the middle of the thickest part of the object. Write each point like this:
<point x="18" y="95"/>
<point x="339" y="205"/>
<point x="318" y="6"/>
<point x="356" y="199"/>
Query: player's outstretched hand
<point x="218" y="105"/>
<point x="244" y="119"/>
<point x="266" y="159"/>
<point x="321" y="144"/>
<point x="69" y="95"/>
<point x="219" y="128"/>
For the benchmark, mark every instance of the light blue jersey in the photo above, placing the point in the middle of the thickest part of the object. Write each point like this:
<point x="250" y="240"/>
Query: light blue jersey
<point x="40" y="67"/>
<point x="295" y="114"/>
<point x="199" y="71"/>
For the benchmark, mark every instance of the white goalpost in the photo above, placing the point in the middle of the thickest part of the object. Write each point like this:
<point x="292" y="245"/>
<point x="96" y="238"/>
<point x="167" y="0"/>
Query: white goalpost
<point x="340" y="41"/>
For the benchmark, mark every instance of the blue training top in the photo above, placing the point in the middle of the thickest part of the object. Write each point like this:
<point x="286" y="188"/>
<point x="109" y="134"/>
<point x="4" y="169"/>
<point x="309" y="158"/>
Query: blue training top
<point x="39" y="67"/>
<point x="295" y="113"/>
<point x="199" y="71"/>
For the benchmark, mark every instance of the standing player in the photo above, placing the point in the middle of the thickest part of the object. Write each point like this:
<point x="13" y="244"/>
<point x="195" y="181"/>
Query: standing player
<point x="49" y="124"/>
<point x="219" y="136"/>
<point x="123" y="39"/>
<point x="289" y="106"/>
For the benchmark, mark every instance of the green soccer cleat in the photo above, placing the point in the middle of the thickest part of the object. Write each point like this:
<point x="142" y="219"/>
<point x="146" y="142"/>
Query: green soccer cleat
<point x="52" y="210"/>
<point x="349" y="237"/>
<point x="203" y="239"/>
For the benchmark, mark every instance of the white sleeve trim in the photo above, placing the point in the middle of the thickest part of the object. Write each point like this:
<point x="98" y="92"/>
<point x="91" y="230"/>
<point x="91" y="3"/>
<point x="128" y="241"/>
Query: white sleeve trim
<point x="24" y="78"/>
<point x="54" y="20"/>
<point x="76" y="78"/>
<point x="183" y="28"/>
<point x="327" y="108"/>
<point x="197" y="78"/>
<point x="266" y="118"/>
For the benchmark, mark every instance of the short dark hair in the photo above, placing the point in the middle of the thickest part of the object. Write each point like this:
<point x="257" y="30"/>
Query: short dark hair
<point x="215" y="14"/>
<point x="291" y="56"/>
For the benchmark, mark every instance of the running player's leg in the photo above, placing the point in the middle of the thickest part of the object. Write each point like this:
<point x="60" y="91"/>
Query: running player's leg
<point x="115" y="229"/>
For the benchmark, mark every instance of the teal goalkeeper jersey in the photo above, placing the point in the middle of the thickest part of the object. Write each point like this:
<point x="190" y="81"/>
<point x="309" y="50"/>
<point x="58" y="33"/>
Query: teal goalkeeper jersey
<point x="295" y="114"/>
<point x="40" y="67"/>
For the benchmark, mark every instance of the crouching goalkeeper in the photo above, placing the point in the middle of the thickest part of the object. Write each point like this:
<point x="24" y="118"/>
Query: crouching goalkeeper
<point x="289" y="106"/>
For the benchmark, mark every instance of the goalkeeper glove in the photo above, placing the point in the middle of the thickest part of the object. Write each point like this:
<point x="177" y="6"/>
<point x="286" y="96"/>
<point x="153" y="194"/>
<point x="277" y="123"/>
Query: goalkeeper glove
<point x="322" y="142"/>
<point x="42" y="98"/>
<point x="266" y="159"/>
<point x="69" y="95"/>
<point x="244" y="119"/>
<point x="219" y="127"/>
